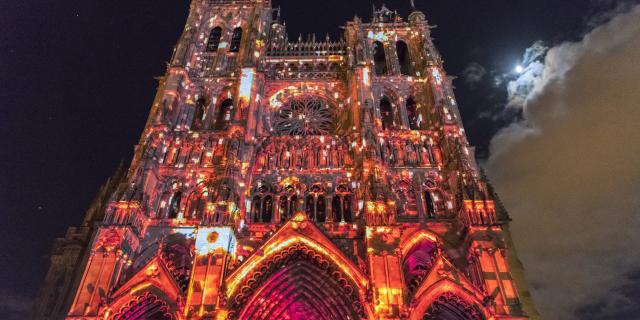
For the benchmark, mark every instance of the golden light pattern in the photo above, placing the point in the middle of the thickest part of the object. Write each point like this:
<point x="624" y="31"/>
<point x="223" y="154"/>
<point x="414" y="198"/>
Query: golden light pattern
<point x="373" y="186"/>
<point x="278" y="246"/>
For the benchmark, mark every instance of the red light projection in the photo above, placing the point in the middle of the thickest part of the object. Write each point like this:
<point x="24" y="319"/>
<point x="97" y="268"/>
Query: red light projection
<point x="307" y="179"/>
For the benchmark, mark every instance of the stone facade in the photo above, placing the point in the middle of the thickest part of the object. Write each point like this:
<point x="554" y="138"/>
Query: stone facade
<point x="304" y="179"/>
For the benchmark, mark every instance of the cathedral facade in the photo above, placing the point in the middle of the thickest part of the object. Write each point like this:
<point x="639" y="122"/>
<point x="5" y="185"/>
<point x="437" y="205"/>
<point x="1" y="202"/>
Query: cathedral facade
<point x="302" y="178"/>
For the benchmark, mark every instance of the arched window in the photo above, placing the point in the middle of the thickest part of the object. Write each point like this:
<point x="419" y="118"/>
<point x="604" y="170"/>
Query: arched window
<point x="288" y="207"/>
<point x="267" y="209"/>
<point x="197" y="205"/>
<point x="346" y="209"/>
<point x="174" y="205"/>
<point x="336" y="207"/>
<point x="341" y="205"/>
<point x="288" y="203"/>
<point x="431" y="207"/>
<point x="316" y="208"/>
<point x="224" y="115"/>
<point x="386" y="112"/>
<point x="199" y="114"/>
<point x="256" y="209"/>
<point x="403" y="57"/>
<point x="236" y="38"/>
<point x="412" y="114"/>
<point x="321" y="209"/>
<point x="214" y="39"/>
<point x="379" y="58"/>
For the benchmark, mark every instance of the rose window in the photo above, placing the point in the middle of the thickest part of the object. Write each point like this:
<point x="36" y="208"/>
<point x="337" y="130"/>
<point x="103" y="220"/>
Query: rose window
<point x="303" y="117"/>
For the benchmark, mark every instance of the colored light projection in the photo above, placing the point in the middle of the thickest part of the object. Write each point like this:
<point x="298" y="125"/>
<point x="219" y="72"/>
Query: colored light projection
<point x="215" y="240"/>
<point x="297" y="180"/>
<point x="246" y="84"/>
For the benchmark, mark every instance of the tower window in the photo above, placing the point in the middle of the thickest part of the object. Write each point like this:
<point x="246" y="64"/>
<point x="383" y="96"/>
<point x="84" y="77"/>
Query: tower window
<point x="199" y="113"/>
<point x="224" y="115"/>
<point x="214" y="39"/>
<point x="256" y="208"/>
<point x="267" y="209"/>
<point x="174" y="205"/>
<point x="386" y="112"/>
<point x="236" y="38"/>
<point x="412" y="114"/>
<point x="379" y="58"/>
<point x="403" y="57"/>
<point x="431" y="207"/>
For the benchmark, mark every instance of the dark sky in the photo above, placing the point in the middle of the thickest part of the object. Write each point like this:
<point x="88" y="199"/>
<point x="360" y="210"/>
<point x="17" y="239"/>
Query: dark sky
<point x="77" y="81"/>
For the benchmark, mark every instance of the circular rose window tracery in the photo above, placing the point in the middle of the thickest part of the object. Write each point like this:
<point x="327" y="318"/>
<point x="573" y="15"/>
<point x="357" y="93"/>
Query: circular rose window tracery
<point x="303" y="116"/>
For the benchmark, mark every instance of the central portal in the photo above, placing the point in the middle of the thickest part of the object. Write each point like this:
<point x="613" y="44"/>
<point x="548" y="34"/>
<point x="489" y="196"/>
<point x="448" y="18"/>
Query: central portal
<point x="303" y="290"/>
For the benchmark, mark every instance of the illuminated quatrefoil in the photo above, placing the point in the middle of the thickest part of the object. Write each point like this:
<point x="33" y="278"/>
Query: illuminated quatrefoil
<point x="303" y="116"/>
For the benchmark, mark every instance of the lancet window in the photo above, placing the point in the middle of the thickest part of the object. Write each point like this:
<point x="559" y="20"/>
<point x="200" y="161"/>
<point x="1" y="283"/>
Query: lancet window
<point x="386" y="112"/>
<point x="316" y="204"/>
<point x="430" y="205"/>
<point x="341" y="205"/>
<point x="214" y="39"/>
<point x="236" y="39"/>
<point x="433" y="200"/>
<point x="198" y="115"/>
<point x="412" y="114"/>
<point x="379" y="58"/>
<point x="262" y="205"/>
<point x="403" y="57"/>
<point x="174" y="205"/>
<point x="288" y="203"/>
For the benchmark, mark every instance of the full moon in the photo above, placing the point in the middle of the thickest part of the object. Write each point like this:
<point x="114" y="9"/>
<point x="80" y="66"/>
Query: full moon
<point x="519" y="69"/>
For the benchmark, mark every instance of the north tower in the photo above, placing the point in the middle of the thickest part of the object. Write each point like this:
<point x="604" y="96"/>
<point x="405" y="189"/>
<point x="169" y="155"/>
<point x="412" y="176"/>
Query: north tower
<point x="294" y="179"/>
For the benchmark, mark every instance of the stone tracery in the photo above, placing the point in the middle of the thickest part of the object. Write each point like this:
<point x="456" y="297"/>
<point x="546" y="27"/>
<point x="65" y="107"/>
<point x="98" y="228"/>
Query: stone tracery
<point x="304" y="116"/>
<point x="350" y="146"/>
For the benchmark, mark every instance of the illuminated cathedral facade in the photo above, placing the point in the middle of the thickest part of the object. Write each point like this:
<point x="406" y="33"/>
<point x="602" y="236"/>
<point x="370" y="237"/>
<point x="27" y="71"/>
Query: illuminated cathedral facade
<point x="304" y="178"/>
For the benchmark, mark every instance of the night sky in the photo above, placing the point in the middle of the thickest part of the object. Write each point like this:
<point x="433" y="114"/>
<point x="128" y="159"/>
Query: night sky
<point x="77" y="82"/>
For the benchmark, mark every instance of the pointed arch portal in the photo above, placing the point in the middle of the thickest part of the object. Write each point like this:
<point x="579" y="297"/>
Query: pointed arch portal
<point x="450" y="307"/>
<point x="146" y="306"/>
<point x="301" y="290"/>
<point x="298" y="283"/>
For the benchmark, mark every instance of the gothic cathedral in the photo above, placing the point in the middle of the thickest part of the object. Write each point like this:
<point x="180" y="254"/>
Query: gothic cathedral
<point x="302" y="178"/>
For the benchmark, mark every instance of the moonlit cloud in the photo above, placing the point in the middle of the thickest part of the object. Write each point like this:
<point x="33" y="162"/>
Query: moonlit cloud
<point x="473" y="74"/>
<point x="569" y="171"/>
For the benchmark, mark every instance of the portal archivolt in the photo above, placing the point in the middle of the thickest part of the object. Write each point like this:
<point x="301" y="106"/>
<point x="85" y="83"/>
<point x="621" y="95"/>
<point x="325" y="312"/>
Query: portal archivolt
<point x="298" y="284"/>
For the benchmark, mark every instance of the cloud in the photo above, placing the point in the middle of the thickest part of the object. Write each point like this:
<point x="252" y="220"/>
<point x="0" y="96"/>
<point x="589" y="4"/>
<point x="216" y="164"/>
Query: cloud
<point x="569" y="173"/>
<point x="14" y="306"/>
<point x="473" y="74"/>
<point x="518" y="88"/>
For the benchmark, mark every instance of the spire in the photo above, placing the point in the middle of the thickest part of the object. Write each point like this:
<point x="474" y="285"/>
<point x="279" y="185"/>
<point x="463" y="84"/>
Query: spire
<point x="413" y="5"/>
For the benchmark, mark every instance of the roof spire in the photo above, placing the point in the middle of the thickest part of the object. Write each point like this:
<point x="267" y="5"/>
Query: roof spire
<point x="413" y="4"/>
